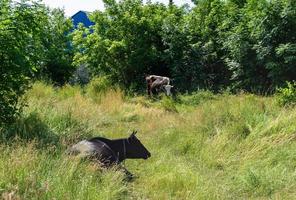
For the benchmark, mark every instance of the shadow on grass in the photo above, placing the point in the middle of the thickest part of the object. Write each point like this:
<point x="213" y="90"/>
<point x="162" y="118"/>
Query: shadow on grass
<point x="33" y="128"/>
<point x="27" y="129"/>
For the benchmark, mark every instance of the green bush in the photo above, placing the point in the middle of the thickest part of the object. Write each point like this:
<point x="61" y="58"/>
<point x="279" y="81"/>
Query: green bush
<point x="197" y="97"/>
<point x="168" y="104"/>
<point x="33" y="41"/>
<point x="21" y="51"/>
<point x="98" y="87"/>
<point x="287" y="95"/>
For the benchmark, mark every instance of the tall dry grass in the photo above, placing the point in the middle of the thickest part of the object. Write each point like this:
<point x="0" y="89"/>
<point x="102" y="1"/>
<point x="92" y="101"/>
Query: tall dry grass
<point x="203" y="146"/>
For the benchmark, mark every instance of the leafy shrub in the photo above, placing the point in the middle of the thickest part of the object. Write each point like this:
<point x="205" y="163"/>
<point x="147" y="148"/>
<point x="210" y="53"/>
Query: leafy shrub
<point x="197" y="97"/>
<point x="58" y="59"/>
<point x="20" y="52"/>
<point x="168" y="104"/>
<point x="287" y="95"/>
<point x="98" y="87"/>
<point x="33" y="43"/>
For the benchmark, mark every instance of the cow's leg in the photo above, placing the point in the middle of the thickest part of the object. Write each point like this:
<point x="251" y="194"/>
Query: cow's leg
<point x="128" y="175"/>
<point x="148" y="90"/>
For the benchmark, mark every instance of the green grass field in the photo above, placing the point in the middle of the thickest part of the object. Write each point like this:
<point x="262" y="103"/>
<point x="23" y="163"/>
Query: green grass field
<point x="203" y="146"/>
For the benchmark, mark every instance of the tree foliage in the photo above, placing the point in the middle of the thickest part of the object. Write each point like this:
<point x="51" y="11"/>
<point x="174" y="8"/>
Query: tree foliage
<point x="32" y="38"/>
<point x="125" y="43"/>
<point x="57" y="39"/>
<point x="266" y="30"/>
<point x="20" y="52"/>
<point x="215" y="44"/>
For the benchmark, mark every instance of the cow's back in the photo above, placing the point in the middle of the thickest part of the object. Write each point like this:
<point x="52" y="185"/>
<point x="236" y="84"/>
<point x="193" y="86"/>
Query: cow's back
<point x="94" y="149"/>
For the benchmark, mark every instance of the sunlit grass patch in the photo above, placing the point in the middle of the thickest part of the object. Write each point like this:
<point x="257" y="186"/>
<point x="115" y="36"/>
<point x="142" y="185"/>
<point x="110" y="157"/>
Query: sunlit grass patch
<point x="30" y="174"/>
<point x="217" y="147"/>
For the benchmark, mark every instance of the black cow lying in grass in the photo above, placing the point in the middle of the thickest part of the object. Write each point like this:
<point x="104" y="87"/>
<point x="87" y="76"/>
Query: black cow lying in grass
<point x="111" y="152"/>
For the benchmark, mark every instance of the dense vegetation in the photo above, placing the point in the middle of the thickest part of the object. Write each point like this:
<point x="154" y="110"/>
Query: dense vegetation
<point x="204" y="147"/>
<point x="33" y="44"/>
<point x="216" y="44"/>
<point x="248" y="45"/>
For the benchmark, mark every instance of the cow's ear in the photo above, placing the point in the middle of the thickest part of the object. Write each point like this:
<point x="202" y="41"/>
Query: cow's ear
<point x="133" y="134"/>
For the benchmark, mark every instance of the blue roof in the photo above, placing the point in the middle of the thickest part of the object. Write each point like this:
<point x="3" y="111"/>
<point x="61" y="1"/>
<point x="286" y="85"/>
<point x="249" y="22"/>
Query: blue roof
<point x="81" y="17"/>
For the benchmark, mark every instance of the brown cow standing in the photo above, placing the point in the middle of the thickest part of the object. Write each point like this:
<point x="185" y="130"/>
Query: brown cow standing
<point x="156" y="83"/>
